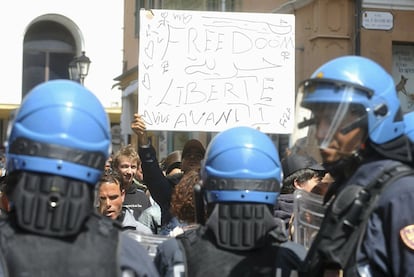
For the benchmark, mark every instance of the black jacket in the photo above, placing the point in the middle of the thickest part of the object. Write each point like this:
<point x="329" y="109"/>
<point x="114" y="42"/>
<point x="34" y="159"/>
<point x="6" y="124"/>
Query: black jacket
<point x="159" y="185"/>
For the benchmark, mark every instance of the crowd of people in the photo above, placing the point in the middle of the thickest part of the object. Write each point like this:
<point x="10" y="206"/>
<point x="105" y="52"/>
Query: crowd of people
<point x="71" y="207"/>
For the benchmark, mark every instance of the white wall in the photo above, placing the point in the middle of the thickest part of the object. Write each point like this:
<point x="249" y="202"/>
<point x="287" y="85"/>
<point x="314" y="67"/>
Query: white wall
<point x="101" y="25"/>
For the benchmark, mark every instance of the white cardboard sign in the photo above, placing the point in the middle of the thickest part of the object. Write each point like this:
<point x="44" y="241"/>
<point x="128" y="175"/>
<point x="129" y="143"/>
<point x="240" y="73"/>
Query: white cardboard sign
<point x="209" y="71"/>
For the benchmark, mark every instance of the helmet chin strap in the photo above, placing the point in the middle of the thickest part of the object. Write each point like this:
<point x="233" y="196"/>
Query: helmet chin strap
<point x="347" y="155"/>
<point x="344" y="167"/>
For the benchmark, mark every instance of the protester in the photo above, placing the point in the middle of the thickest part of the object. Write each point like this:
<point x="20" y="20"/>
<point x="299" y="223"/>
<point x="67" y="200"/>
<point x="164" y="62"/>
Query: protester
<point x="111" y="197"/>
<point x="128" y="165"/>
<point x="182" y="205"/>
<point x="171" y="166"/>
<point x="52" y="228"/>
<point x="241" y="177"/>
<point x="172" y="163"/>
<point x="108" y="164"/>
<point x="161" y="186"/>
<point x="300" y="171"/>
<point x="357" y="124"/>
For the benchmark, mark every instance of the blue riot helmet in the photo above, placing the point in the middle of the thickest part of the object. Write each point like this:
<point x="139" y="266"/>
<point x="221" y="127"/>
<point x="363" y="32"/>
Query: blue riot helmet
<point x="56" y="149"/>
<point x="351" y="92"/>
<point x="61" y="128"/>
<point x="241" y="175"/>
<point x="241" y="165"/>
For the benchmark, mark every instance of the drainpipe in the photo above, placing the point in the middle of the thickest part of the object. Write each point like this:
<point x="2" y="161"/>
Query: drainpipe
<point x="358" y="19"/>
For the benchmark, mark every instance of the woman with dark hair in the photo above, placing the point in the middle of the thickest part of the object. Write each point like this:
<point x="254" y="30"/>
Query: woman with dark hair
<point x="182" y="205"/>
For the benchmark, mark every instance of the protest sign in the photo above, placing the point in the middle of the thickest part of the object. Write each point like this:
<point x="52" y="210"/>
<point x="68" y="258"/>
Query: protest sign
<point x="208" y="71"/>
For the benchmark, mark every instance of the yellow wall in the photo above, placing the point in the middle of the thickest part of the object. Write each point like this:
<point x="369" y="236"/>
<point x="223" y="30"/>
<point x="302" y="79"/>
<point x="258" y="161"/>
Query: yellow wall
<point x="377" y="44"/>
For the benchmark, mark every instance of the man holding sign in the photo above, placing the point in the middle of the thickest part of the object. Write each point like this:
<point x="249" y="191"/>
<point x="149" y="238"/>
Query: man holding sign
<point x="159" y="185"/>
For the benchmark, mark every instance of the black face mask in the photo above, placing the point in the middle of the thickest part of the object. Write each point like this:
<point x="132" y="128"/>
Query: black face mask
<point x="50" y="205"/>
<point x="340" y="171"/>
<point x="228" y="234"/>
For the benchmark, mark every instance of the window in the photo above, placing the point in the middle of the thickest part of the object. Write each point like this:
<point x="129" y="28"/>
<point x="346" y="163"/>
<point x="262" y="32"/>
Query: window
<point x="47" y="51"/>
<point x="144" y="4"/>
<point x="220" y="5"/>
<point x="403" y="74"/>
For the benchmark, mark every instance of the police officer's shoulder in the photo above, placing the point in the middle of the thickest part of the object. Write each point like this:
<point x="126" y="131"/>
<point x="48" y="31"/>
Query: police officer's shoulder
<point x="293" y="247"/>
<point x="281" y="241"/>
<point x="169" y="255"/>
<point x="397" y="190"/>
<point x="3" y="219"/>
<point x="193" y="233"/>
<point x="169" y="247"/>
<point x="172" y="248"/>
<point x="105" y="224"/>
<point x="6" y="230"/>
<point x="134" y="256"/>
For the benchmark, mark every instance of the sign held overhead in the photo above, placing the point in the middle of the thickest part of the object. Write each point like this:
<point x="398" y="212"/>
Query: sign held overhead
<point x="209" y="71"/>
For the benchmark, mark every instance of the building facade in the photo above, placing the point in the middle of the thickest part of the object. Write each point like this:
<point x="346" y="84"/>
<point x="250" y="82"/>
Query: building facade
<point x="377" y="29"/>
<point x="41" y="38"/>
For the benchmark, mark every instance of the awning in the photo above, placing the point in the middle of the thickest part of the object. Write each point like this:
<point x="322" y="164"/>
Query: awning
<point x="6" y="110"/>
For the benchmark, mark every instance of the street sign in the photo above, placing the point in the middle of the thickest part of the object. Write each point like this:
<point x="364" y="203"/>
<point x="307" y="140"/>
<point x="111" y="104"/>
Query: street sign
<point x="377" y="20"/>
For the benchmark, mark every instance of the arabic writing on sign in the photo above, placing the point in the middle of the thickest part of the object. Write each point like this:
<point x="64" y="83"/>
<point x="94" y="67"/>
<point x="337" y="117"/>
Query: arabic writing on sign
<point x="208" y="71"/>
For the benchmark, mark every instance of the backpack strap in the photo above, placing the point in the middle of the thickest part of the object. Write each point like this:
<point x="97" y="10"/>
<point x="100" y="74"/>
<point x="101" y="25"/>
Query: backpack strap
<point x="366" y="198"/>
<point x="345" y="221"/>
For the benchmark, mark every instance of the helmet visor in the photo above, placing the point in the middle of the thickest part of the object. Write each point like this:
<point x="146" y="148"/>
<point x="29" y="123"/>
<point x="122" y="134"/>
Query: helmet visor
<point x="336" y="110"/>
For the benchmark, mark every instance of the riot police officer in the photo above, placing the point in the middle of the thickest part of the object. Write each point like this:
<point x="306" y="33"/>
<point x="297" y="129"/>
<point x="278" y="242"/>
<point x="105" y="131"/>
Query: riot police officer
<point x="241" y="176"/>
<point x="358" y="128"/>
<point x="56" y="149"/>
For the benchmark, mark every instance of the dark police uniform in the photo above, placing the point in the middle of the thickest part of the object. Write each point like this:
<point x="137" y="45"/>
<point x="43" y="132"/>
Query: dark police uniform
<point x="387" y="248"/>
<point x="25" y="253"/>
<point x="195" y="253"/>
